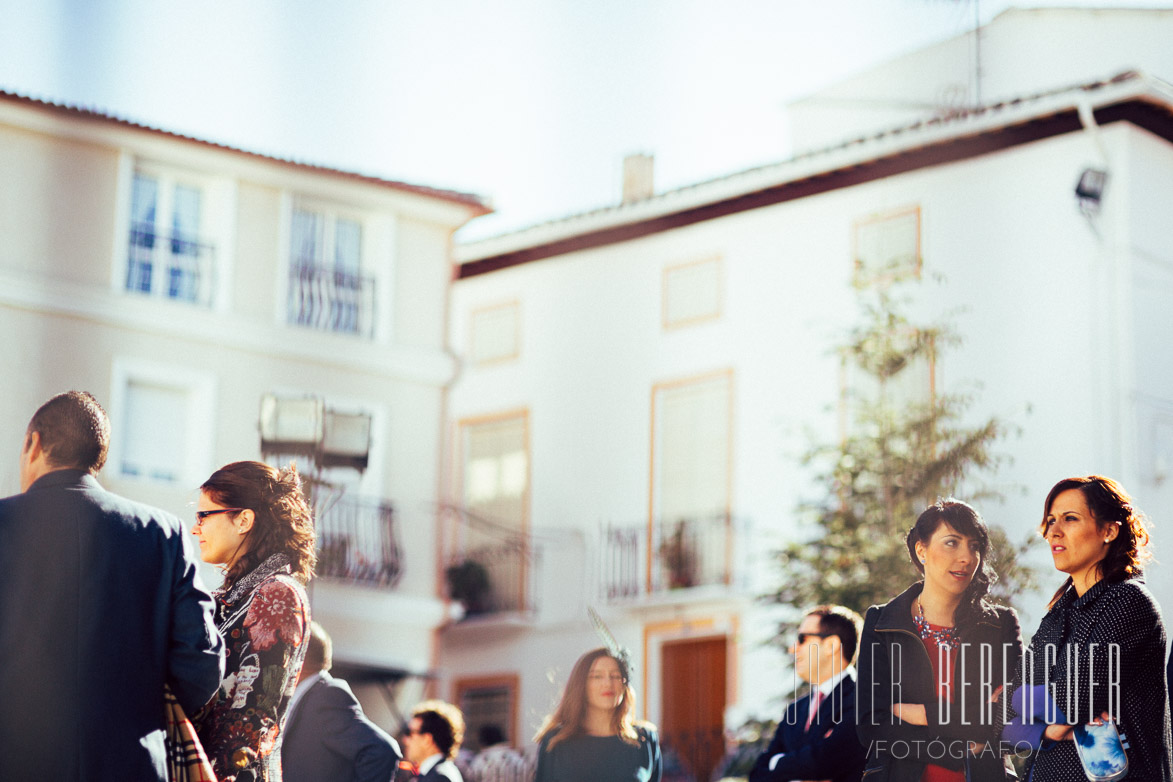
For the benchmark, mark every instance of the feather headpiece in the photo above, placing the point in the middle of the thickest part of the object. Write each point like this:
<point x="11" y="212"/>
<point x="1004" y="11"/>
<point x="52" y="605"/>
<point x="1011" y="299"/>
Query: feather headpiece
<point x="621" y="653"/>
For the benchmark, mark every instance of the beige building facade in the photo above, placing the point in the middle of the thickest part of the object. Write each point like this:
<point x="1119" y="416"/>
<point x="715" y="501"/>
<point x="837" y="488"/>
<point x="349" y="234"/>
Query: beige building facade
<point x="224" y="305"/>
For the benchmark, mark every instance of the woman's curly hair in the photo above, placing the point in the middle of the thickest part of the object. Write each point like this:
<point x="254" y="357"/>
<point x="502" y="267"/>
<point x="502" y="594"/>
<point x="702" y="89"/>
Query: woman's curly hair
<point x="284" y="521"/>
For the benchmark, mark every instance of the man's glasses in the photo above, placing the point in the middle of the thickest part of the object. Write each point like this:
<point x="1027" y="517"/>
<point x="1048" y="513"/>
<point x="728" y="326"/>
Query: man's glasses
<point x="203" y="514"/>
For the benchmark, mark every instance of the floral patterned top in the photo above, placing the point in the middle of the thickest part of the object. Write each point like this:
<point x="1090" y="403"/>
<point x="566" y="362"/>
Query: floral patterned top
<point x="264" y="619"/>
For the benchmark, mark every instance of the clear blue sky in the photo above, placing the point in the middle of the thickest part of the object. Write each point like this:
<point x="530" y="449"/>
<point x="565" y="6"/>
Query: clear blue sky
<point x="532" y="103"/>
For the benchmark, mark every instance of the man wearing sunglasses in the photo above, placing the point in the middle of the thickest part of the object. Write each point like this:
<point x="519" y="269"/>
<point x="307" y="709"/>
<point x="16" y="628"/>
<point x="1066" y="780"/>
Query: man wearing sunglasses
<point x="100" y="607"/>
<point x="816" y="738"/>
<point x="433" y="737"/>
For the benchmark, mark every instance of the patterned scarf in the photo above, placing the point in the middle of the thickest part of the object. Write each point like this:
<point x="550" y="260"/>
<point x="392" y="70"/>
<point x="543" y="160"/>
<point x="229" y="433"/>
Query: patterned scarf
<point x="274" y="564"/>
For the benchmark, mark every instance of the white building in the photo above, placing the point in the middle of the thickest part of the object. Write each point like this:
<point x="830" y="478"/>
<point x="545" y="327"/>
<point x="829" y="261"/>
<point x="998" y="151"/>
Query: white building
<point x="1022" y="51"/>
<point x="639" y="381"/>
<point x="183" y="282"/>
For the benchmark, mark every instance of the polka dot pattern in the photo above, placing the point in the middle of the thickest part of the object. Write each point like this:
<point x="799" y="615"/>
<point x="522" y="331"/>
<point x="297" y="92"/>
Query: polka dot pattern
<point x="1073" y="646"/>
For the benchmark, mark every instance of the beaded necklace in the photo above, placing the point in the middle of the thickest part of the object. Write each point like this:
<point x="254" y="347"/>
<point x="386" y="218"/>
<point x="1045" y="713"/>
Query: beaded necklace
<point x="946" y="637"/>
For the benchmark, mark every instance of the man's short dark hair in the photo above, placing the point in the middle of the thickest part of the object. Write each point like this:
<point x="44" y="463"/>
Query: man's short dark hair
<point x="319" y="654"/>
<point x="842" y="622"/>
<point x="489" y="734"/>
<point x="444" y="722"/>
<point x="74" y="431"/>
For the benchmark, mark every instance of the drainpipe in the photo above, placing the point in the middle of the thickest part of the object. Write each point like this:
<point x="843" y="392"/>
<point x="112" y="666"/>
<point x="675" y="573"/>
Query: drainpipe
<point x="1087" y="118"/>
<point x="453" y="610"/>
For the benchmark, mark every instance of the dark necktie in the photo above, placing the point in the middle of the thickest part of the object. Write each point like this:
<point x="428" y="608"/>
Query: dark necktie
<point x="816" y="699"/>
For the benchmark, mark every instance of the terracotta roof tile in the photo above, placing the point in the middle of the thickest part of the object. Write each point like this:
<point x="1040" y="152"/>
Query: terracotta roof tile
<point x="476" y="202"/>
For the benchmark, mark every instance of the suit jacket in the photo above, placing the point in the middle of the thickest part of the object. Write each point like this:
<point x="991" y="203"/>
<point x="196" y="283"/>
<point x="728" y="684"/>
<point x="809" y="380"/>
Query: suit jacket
<point x="100" y="605"/>
<point x="894" y="667"/>
<point x="328" y="738"/>
<point x="828" y="750"/>
<point x="444" y="771"/>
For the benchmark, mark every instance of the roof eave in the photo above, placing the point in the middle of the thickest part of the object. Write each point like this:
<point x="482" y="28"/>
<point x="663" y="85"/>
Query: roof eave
<point x="475" y="204"/>
<point x="1145" y="101"/>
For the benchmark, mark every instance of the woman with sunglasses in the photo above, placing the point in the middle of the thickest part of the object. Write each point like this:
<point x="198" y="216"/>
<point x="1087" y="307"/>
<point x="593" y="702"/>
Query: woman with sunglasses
<point x="255" y="523"/>
<point x="592" y="734"/>
<point x="932" y="658"/>
<point x="1099" y="653"/>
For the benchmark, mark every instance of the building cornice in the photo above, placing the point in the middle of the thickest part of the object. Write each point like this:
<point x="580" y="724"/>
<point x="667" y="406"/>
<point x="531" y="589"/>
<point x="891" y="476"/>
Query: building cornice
<point x="214" y="329"/>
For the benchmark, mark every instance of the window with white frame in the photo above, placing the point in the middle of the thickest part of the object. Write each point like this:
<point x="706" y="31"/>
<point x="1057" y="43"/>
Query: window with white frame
<point x="691" y="458"/>
<point x="692" y="293"/>
<point x="495" y="333"/>
<point x="163" y="419"/>
<point x="496" y="468"/>
<point x="495" y="497"/>
<point x="887" y="247"/>
<point x="691" y="494"/>
<point x="153" y="436"/>
<point x="170" y="252"/>
<point x="328" y="290"/>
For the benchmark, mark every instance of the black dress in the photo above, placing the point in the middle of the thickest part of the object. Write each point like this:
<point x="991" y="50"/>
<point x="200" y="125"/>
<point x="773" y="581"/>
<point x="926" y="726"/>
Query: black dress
<point x="600" y="759"/>
<point x="1122" y="613"/>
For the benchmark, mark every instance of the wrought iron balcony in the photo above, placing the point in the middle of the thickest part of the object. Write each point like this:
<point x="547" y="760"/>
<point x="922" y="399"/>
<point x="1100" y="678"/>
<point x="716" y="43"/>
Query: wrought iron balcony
<point x="655" y="559"/>
<point x="493" y="579"/>
<point x="331" y="299"/>
<point x="358" y="541"/>
<point x="177" y="267"/>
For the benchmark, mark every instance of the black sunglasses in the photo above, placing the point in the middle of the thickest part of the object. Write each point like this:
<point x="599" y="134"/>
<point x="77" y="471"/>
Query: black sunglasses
<point x="203" y="514"/>
<point x="804" y="637"/>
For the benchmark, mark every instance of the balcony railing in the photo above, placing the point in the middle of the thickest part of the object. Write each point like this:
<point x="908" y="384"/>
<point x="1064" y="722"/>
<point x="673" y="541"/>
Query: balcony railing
<point x="643" y="561"/>
<point x="178" y="267"/>
<point x="330" y="299"/>
<point x="357" y="542"/>
<point x="493" y="579"/>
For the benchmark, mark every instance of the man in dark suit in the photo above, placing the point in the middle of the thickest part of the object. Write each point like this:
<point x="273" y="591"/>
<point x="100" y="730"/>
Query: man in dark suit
<point x="433" y="737"/>
<point x="819" y="743"/>
<point x="327" y="737"/>
<point x="100" y="606"/>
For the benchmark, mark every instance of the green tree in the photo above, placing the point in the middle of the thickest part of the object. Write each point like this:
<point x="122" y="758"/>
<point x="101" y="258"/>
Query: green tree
<point x="897" y="456"/>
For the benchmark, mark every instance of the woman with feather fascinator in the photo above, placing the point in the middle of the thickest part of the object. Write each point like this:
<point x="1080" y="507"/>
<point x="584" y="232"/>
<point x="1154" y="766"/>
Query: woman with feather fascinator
<point x="592" y="734"/>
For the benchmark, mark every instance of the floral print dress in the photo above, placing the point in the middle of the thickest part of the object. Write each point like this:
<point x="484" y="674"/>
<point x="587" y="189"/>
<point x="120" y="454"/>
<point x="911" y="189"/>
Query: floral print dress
<point x="264" y="619"/>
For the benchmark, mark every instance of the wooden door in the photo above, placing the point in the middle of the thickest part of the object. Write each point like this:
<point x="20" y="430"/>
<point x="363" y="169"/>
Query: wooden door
<point x="693" y="703"/>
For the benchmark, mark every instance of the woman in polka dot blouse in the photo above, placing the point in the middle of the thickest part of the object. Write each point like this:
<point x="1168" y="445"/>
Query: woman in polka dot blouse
<point x="1099" y="653"/>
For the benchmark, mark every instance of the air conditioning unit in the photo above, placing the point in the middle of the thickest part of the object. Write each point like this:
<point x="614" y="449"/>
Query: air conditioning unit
<point x="304" y="426"/>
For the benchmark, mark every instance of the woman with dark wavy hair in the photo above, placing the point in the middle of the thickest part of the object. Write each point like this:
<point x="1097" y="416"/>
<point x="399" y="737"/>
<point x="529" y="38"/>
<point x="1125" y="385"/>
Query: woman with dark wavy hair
<point x="1099" y="652"/>
<point x="932" y="658"/>
<point x="592" y="734"/>
<point x="256" y="524"/>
